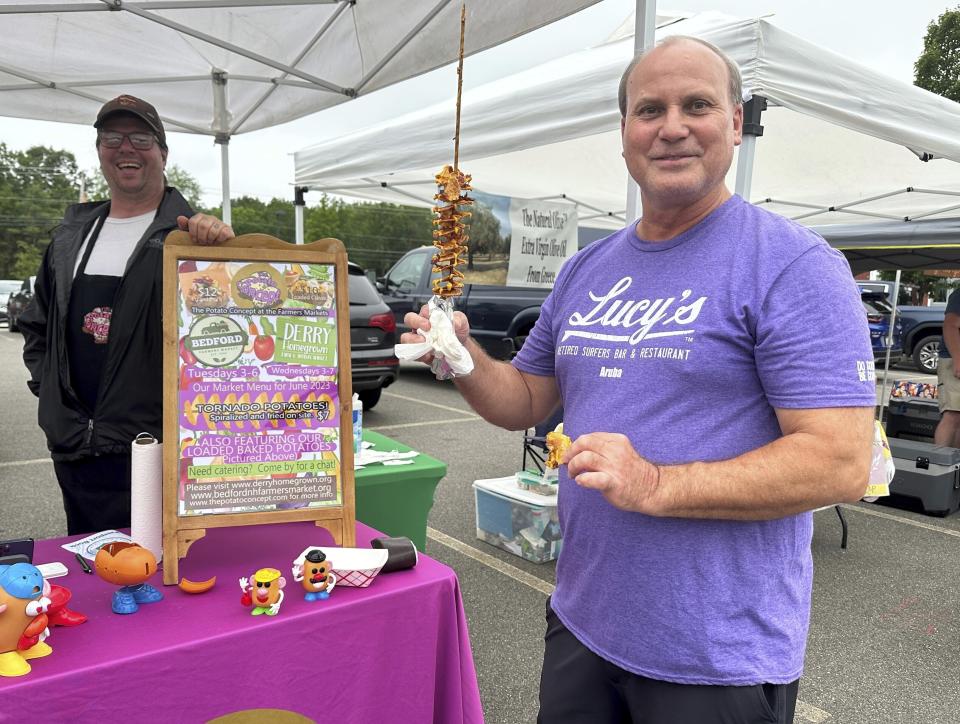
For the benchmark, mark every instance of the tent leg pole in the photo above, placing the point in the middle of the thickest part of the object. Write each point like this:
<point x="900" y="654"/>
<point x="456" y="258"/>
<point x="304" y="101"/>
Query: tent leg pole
<point x="298" y="207"/>
<point x="889" y="343"/>
<point x="644" y="35"/>
<point x="752" y="128"/>
<point x="221" y="120"/>
<point x="633" y="200"/>
<point x="225" y="178"/>
<point x="748" y="152"/>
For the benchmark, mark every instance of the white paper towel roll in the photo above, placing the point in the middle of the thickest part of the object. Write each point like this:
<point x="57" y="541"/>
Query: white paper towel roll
<point x="146" y="493"/>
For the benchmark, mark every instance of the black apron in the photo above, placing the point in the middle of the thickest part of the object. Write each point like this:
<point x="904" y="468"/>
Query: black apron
<point x="88" y="325"/>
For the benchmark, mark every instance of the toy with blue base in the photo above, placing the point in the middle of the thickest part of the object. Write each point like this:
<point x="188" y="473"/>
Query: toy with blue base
<point x="315" y="573"/>
<point x="128" y="565"/>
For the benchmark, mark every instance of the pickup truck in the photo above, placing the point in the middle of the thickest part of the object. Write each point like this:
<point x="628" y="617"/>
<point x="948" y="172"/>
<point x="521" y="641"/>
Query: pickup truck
<point x="922" y="328"/>
<point x="500" y="317"/>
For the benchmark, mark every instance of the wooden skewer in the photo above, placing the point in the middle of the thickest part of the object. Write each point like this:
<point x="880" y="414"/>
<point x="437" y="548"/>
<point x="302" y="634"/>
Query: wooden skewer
<point x="456" y="135"/>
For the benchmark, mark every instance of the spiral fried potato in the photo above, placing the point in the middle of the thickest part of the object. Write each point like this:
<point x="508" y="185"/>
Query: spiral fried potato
<point x="557" y="445"/>
<point x="450" y="236"/>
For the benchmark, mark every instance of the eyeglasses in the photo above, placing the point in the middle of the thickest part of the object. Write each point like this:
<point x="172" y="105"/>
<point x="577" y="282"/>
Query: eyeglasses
<point x="114" y="139"/>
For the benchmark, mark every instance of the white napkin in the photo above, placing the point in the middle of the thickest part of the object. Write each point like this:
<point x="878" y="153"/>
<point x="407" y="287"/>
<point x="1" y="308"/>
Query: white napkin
<point x="451" y="358"/>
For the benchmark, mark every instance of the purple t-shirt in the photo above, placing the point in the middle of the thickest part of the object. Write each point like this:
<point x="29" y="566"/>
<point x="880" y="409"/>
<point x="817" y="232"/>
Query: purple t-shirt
<point x="686" y="346"/>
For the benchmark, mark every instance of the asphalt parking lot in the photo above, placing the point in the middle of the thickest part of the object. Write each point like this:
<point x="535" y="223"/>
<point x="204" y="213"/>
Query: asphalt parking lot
<point x="885" y="636"/>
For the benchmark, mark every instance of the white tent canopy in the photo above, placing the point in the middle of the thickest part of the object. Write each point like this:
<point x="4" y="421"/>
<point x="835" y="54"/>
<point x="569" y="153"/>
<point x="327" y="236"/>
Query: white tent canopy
<point x="836" y="133"/>
<point x="222" y="67"/>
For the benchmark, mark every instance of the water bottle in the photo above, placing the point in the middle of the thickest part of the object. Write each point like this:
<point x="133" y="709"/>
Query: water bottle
<point x="357" y="424"/>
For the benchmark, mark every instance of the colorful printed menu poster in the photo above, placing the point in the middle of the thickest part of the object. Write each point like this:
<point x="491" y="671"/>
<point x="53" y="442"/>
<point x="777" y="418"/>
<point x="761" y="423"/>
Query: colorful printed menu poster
<point x="258" y="400"/>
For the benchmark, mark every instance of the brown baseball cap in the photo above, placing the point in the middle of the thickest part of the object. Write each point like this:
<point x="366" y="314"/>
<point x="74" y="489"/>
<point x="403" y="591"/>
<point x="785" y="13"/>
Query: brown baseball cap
<point x="135" y="107"/>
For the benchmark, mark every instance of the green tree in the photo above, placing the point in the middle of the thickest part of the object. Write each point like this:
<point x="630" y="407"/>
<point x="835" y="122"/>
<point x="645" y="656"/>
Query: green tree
<point x="938" y="67"/>
<point x="927" y="286"/>
<point x="35" y="187"/>
<point x="185" y="184"/>
<point x="253" y="216"/>
<point x="375" y="234"/>
<point x="483" y="228"/>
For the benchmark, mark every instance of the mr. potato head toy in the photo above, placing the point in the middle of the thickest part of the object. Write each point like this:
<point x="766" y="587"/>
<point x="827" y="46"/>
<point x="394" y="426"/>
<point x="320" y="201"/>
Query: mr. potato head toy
<point x="315" y="573"/>
<point x="265" y="594"/>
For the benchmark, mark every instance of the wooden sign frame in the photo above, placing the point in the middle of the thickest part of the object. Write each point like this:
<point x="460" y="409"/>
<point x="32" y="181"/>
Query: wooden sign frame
<point x="181" y="531"/>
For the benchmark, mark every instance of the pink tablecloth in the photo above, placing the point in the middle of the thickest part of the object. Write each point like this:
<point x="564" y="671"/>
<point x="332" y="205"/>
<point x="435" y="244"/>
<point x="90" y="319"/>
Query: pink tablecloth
<point x="397" y="651"/>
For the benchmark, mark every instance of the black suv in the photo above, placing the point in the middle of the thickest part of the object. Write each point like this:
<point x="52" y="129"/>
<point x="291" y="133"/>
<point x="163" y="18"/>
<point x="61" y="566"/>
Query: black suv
<point x="373" y="333"/>
<point x="18" y="301"/>
<point x="8" y="287"/>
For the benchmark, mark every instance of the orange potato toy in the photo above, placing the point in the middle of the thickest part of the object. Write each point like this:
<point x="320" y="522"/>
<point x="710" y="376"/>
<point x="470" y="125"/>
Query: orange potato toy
<point x="264" y="593"/>
<point x="315" y="573"/>
<point x="124" y="564"/>
<point x="128" y="565"/>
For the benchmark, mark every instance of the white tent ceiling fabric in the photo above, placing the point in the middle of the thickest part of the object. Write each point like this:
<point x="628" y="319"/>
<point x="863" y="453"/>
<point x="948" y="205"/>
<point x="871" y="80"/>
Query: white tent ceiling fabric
<point x="837" y="132"/>
<point x="61" y="59"/>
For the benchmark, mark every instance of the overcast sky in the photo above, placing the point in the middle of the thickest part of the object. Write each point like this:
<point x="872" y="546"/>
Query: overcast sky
<point x="883" y="34"/>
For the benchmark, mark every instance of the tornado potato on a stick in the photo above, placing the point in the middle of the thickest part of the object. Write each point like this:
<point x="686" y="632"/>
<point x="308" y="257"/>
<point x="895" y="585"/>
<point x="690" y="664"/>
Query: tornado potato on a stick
<point x="450" y="236"/>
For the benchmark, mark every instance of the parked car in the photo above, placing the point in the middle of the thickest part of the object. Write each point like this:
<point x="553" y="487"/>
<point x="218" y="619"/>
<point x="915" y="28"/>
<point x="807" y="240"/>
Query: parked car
<point x="922" y="335"/>
<point x="18" y="301"/>
<point x="7" y="287"/>
<point x="500" y="317"/>
<point x="906" y="295"/>
<point x="373" y="333"/>
<point x="879" y="312"/>
<point x="921" y="327"/>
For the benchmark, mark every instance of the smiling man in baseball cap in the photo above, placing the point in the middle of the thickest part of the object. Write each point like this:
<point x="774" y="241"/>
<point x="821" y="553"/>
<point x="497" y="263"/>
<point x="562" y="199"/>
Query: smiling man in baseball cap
<point x="98" y="375"/>
<point x="133" y="106"/>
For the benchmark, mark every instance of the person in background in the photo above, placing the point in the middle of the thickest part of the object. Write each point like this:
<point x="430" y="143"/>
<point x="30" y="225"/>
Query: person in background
<point x="948" y="376"/>
<point x="710" y="413"/>
<point x="93" y="332"/>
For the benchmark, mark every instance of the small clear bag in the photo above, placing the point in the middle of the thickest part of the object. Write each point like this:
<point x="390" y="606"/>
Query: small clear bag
<point x="882" y="467"/>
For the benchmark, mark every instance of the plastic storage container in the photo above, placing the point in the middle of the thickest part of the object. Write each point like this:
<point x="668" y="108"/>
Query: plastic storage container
<point x="928" y="473"/>
<point x="912" y="419"/>
<point x="519" y="521"/>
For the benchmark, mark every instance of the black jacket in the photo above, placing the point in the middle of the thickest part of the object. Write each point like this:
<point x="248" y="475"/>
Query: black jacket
<point x="131" y="387"/>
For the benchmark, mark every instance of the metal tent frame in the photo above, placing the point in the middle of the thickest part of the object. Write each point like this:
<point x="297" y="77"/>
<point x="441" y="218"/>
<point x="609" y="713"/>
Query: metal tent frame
<point x="285" y="74"/>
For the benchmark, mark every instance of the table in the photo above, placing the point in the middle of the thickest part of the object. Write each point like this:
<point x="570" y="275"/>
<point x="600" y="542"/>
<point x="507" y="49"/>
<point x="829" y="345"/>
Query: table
<point x="397" y="498"/>
<point x="397" y="651"/>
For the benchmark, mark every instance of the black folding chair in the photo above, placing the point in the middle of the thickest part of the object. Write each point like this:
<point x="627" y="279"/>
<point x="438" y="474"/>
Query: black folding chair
<point x="535" y="445"/>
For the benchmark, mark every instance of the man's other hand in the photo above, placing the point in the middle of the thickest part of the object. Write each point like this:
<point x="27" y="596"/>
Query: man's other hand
<point x="608" y="463"/>
<point x="205" y="229"/>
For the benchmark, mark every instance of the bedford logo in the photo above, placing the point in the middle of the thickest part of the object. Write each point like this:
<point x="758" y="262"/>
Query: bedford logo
<point x="216" y="341"/>
<point x="640" y="315"/>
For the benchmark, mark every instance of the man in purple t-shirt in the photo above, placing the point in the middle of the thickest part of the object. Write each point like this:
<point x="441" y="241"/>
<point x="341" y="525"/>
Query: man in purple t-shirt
<point x="713" y="403"/>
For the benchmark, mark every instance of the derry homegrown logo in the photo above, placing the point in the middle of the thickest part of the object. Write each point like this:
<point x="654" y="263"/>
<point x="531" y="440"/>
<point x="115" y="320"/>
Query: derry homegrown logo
<point x="643" y="316"/>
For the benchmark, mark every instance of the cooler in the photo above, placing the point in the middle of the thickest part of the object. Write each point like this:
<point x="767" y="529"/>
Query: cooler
<point x="927" y="472"/>
<point x="912" y="419"/>
<point x="520" y="521"/>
